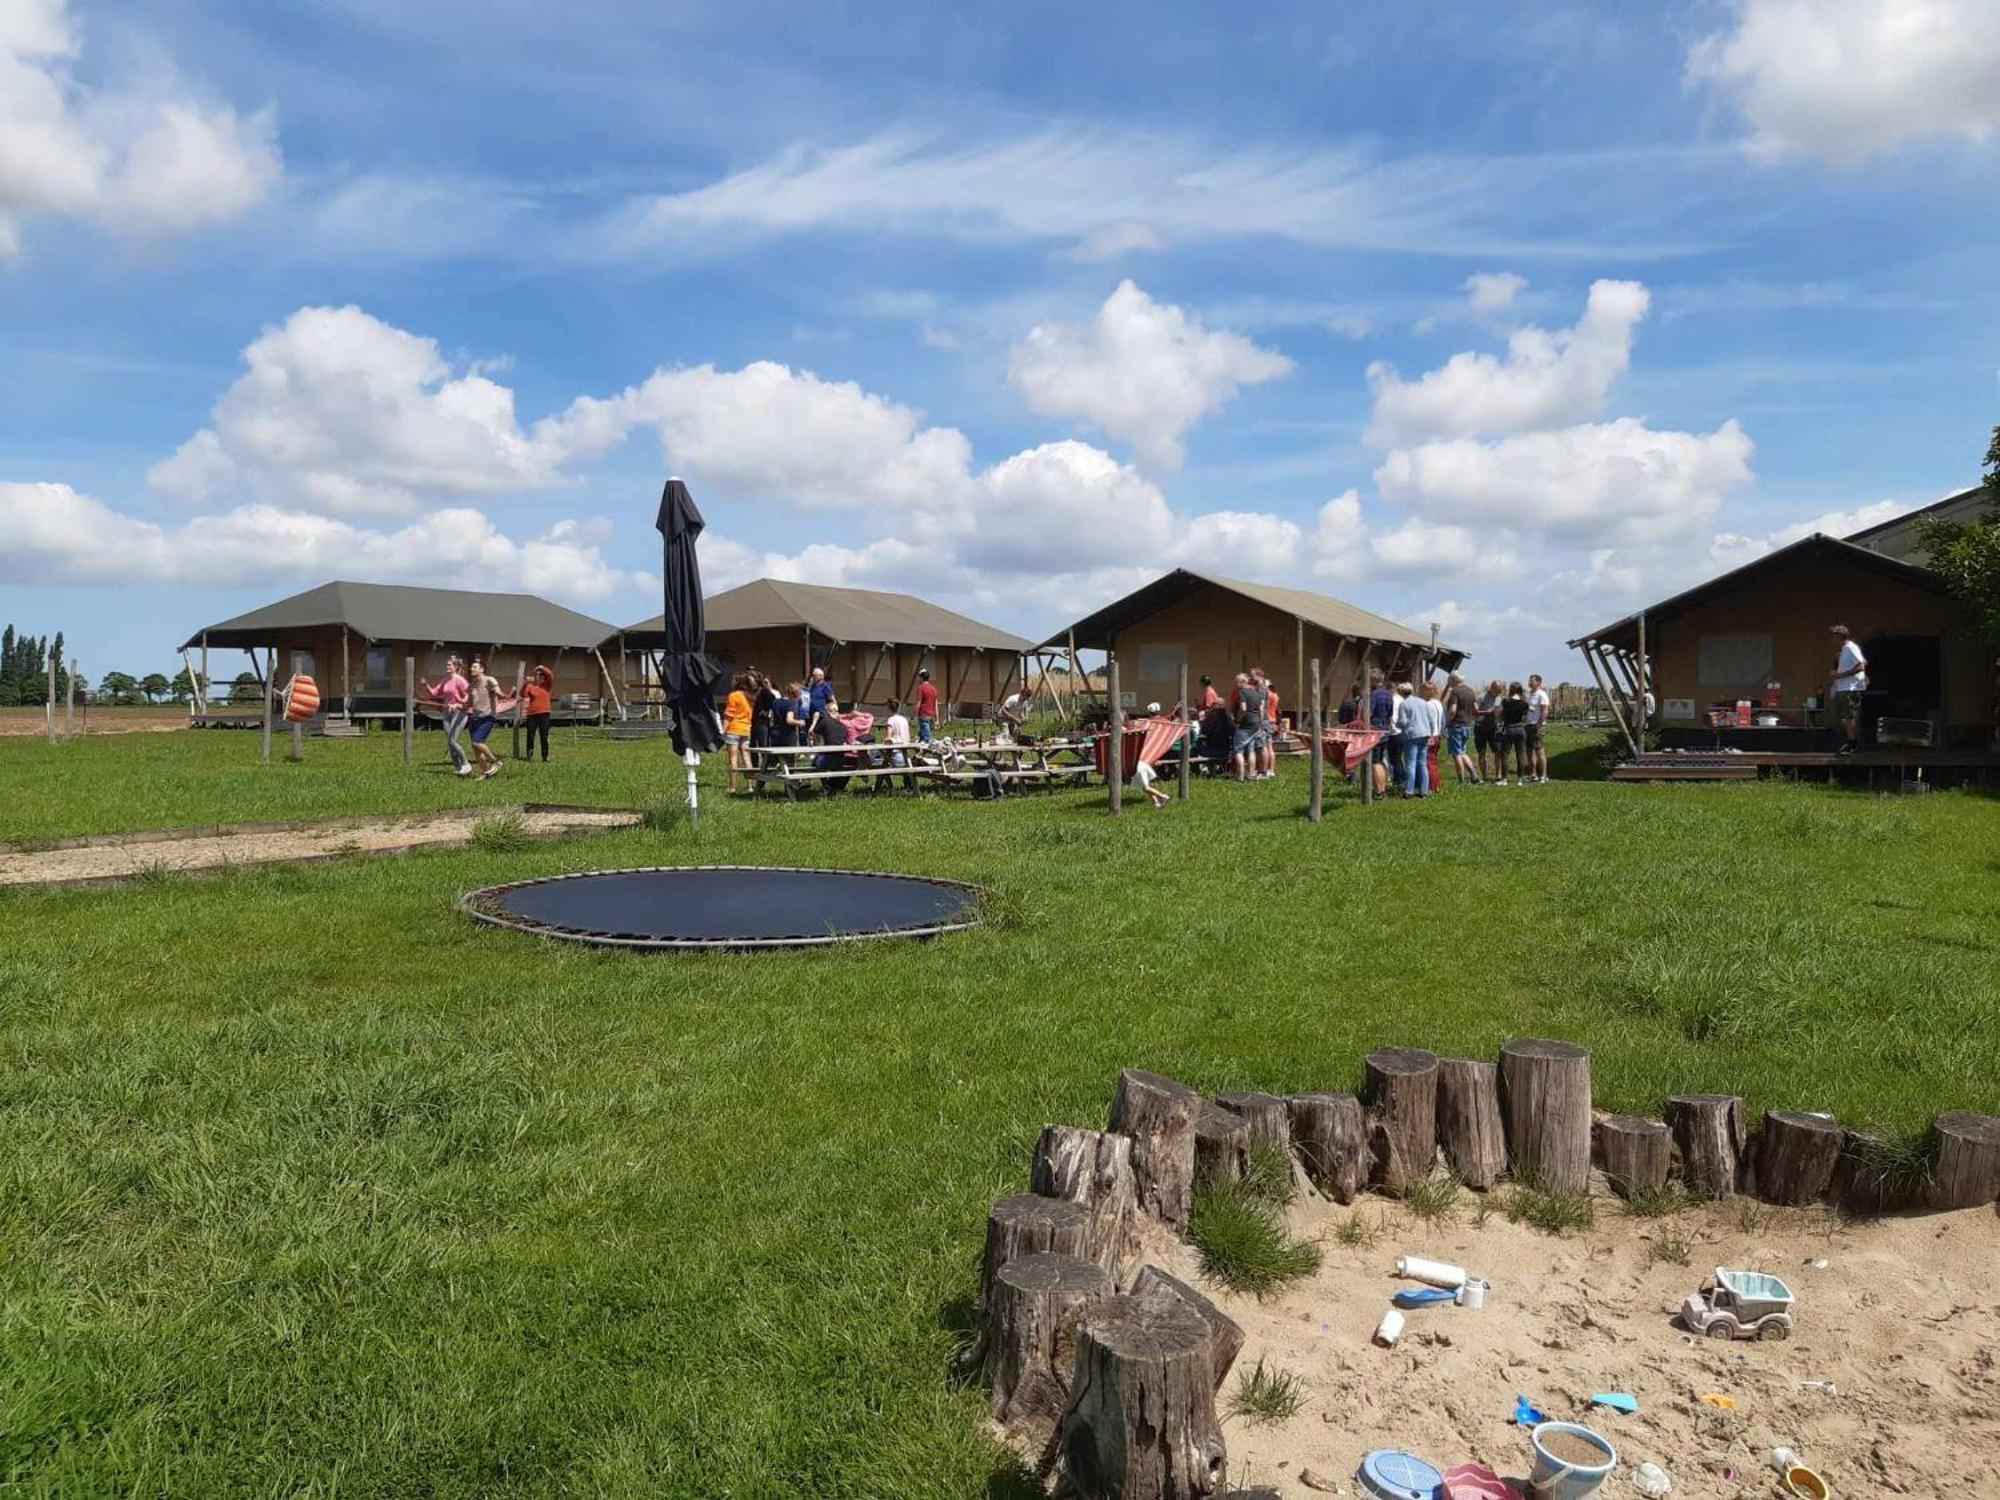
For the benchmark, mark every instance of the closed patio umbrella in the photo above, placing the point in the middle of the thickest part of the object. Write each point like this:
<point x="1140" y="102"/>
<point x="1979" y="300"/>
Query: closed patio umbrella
<point x="687" y="670"/>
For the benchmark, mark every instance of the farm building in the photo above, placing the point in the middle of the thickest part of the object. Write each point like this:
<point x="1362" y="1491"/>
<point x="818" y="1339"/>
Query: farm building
<point x="1219" y="626"/>
<point x="352" y="639"/>
<point x="872" y="644"/>
<point x="1760" y="633"/>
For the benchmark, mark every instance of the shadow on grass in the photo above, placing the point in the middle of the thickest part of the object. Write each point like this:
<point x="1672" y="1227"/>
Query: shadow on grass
<point x="1590" y="760"/>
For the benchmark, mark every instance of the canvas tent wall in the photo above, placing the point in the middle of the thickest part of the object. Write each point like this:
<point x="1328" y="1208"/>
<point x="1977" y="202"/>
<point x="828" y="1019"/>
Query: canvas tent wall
<point x="1221" y="626"/>
<point x="1768" y="621"/>
<point x="871" y="643"/>
<point x="352" y="638"/>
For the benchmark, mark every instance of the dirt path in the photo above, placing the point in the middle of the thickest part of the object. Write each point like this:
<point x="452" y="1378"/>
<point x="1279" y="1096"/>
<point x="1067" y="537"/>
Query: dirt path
<point x="1903" y="1319"/>
<point x="126" y="856"/>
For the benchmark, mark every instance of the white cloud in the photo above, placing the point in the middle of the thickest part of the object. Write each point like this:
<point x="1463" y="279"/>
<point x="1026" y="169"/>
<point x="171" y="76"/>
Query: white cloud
<point x="1251" y="544"/>
<point x="1546" y="379"/>
<point x="1096" y="190"/>
<point x="769" y="432"/>
<point x="1846" y="78"/>
<point x="1115" y="240"/>
<point x="59" y="536"/>
<point x="343" y="414"/>
<point x="1733" y="549"/>
<point x="1143" y="372"/>
<point x="1607" y="482"/>
<point x="145" y="162"/>
<point x="1066" y="501"/>
<point x="1493" y="291"/>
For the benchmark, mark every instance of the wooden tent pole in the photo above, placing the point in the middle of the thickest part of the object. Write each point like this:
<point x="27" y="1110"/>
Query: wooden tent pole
<point x="1114" y="745"/>
<point x="1589" y="649"/>
<point x="610" y="687"/>
<point x="270" y="689"/>
<point x="1299" y="662"/>
<point x="1187" y="733"/>
<point x="204" y="674"/>
<point x="346" y="681"/>
<point x="1642" y="715"/>
<point x="1316" y="787"/>
<point x="409" y="712"/>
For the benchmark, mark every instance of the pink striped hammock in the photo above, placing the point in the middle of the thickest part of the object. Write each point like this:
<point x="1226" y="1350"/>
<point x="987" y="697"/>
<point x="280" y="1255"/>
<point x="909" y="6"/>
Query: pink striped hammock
<point x="1147" y="741"/>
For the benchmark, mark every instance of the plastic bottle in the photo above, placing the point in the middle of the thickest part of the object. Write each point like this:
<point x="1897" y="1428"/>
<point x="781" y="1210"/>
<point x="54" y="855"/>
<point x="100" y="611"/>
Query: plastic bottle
<point x="1436" y="1272"/>
<point x="1389" y="1329"/>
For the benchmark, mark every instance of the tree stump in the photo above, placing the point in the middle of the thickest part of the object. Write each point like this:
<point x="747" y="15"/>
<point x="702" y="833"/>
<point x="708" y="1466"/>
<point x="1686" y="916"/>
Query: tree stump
<point x="1331" y="1138"/>
<point x="1221" y="1140"/>
<point x="1546" y="1089"/>
<point x="1159" y="1115"/>
<point x="1265" y="1114"/>
<point x="1874" y="1176"/>
<point x="1634" y="1153"/>
<point x="1795" y="1157"/>
<point x="1029" y="1333"/>
<point x="1401" y="1092"/>
<point x="1141" y="1422"/>
<point x="1029" y="1224"/>
<point x="1225" y="1334"/>
<point x="1967" y="1171"/>
<point x="1468" y="1120"/>
<point x="1709" y="1130"/>
<point x="1093" y="1169"/>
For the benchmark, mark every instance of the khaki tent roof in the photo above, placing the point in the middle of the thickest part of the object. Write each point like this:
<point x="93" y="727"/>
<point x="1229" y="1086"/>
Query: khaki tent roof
<point x="1336" y="616"/>
<point x="863" y="615"/>
<point x="395" y="612"/>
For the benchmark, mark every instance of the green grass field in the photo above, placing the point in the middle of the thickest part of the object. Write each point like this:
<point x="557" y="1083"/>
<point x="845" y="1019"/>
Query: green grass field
<point x="312" y="1188"/>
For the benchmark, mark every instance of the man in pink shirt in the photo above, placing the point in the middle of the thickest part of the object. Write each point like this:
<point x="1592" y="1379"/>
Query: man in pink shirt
<point x="451" y="693"/>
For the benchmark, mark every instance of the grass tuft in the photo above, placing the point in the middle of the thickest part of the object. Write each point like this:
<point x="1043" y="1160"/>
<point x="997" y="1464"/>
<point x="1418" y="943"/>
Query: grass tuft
<point x="1267" y="1173"/>
<point x="500" y="833"/>
<point x="1265" y="1395"/>
<point x="1435" y="1198"/>
<point x="1244" y="1243"/>
<point x="1357" y="1233"/>
<point x="1551" y="1209"/>
<point x="1669" y="1249"/>
<point x="1655" y="1203"/>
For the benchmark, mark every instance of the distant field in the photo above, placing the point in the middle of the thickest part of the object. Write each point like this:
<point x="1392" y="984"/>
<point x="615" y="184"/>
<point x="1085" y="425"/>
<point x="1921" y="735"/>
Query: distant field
<point x="312" y="1188"/>
<point x="97" y="720"/>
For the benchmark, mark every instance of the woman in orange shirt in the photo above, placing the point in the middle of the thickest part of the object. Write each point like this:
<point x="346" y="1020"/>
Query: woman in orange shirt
<point x="535" y="711"/>
<point x="736" y="726"/>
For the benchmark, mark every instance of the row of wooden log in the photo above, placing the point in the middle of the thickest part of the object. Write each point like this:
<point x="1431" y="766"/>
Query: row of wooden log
<point x="1113" y="1376"/>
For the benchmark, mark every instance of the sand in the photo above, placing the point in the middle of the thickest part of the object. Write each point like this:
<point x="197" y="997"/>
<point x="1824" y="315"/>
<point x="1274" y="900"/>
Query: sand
<point x="122" y="858"/>
<point x="1904" y="1320"/>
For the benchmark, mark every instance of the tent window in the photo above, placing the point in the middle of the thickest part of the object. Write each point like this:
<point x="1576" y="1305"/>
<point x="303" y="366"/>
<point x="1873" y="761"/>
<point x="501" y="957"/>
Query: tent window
<point x="1162" y="662"/>
<point x="375" y="670"/>
<point x="1734" y="660"/>
<point x="302" y="664"/>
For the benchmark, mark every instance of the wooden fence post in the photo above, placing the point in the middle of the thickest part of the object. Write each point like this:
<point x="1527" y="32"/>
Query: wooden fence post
<point x="69" y="702"/>
<point x="55" y="670"/>
<point x="270" y="688"/>
<point x="409" y="709"/>
<point x="1187" y="739"/>
<point x="1114" y="744"/>
<point x="1317" y="752"/>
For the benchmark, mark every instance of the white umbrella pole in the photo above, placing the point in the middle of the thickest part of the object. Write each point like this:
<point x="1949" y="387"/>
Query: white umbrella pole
<point x="694" y="797"/>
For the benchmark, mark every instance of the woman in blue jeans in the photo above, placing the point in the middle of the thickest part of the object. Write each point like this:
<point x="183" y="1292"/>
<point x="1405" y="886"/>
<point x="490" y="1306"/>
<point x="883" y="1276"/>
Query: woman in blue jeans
<point x="1413" y="732"/>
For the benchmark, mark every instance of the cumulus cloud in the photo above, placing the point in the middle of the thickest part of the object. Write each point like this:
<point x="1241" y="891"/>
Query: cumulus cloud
<point x="1546" y="378"/>
<point x="1733" y="549"/>
<point x="145" y="162"/>
<point x="343" y="414"/>
<point x="57" y="535"/>
<point x="769" y="432"/>
<point x="1493" y="291"/>
<point x="1618" y="481"/>
<point x="1142" y="372"/>
<point x="1843" y="79"/>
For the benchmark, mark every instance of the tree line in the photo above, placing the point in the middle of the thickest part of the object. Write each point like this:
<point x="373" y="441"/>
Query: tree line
<point x="24" y="678"/>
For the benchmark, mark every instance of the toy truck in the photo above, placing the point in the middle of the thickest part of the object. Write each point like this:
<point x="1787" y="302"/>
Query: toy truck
<point x="1740" y="1305"/>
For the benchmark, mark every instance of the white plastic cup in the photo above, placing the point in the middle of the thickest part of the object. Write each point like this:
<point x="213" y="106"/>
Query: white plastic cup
<point x="1435" y="1272"/>
<point x="1783" y="1459"/>
<point x="1389" y="1329"/>
<point x="1472" y="1294"/>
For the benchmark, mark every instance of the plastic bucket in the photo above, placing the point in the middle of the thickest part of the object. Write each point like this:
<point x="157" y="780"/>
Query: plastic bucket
<point x="1801" y="1481"/>
<point x="1557" y="1478"/>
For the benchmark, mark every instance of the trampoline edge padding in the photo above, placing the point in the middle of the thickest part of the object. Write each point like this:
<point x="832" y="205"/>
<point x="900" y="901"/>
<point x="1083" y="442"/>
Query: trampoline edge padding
<point x="695" y="907"/>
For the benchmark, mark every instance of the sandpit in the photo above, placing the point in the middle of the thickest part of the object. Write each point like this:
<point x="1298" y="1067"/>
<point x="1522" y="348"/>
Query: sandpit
<point x="126" y="856"/>
<point x="1903" y="1320"/>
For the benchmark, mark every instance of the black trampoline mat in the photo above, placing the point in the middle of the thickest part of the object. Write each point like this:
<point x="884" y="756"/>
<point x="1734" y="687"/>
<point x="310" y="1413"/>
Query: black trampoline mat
<point x="727" y="906"/>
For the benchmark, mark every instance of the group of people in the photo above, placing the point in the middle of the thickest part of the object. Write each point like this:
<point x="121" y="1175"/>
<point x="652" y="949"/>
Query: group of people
<point x="1240" y="731"/>
<point x="471" y="701"/>
<point x="756" y="715"/>
<point x="1481" y="731"/>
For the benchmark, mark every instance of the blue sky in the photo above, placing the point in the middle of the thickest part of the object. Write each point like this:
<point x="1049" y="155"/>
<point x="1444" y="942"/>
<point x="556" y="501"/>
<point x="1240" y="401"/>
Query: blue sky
<point x="1508" y="317"/>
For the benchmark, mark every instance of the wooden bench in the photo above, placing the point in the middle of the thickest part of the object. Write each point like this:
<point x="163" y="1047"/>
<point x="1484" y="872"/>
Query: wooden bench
<point x="790" y="767"/>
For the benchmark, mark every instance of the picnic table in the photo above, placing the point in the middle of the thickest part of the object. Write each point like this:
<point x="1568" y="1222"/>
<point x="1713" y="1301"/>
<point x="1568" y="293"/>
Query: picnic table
<point x="1015" y="764"/>
<point x="791" y="766"/>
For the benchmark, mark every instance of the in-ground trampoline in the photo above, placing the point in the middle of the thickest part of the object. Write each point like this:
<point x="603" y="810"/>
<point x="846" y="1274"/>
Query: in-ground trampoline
<point x="727" y="906"/>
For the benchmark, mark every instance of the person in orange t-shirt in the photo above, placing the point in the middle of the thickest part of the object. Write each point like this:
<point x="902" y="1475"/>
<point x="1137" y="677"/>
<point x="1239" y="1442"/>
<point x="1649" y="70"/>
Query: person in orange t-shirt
<point x="535" y="711"/>
<point x="736" y="713"/>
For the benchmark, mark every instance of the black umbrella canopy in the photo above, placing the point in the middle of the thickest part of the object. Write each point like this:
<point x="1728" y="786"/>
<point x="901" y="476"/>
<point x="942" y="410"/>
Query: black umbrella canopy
<point x="687" y="670"/>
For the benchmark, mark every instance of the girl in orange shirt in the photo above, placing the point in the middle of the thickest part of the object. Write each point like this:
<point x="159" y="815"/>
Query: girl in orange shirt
<point x="535" y="711"/>
<point x="736" y="727"/>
